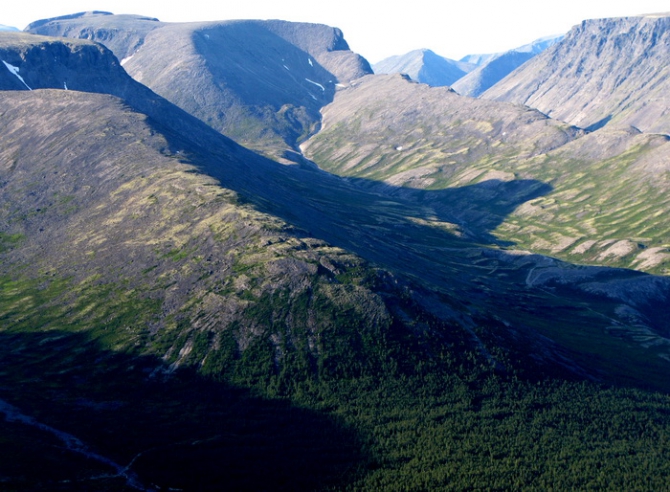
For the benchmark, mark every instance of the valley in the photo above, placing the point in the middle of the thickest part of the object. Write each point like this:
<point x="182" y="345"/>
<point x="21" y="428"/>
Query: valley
<point x="228" y="247"/>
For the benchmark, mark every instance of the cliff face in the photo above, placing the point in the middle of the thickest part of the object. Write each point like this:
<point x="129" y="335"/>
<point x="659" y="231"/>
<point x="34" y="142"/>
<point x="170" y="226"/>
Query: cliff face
<point x="36" y="62"/>
<point x="605" y="71"/>
<point x="123" y="34"/>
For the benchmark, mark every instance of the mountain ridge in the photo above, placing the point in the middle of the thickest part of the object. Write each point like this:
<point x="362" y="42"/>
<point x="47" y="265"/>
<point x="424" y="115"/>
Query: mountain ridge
<point x="197" y="312"/>
<point x="243" y="87"/>
<point x="497" y="66"/>
<point x="605" y="72"/>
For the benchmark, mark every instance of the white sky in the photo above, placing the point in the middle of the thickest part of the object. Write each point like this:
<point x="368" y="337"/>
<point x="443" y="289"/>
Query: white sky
<point x="373" y="28"/>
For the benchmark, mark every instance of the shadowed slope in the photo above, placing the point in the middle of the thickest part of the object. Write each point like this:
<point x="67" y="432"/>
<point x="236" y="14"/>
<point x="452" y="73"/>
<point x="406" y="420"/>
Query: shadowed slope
<point x="608" y="190"/>
<point x="259" y="82"/>
<point x="178" y="431"/>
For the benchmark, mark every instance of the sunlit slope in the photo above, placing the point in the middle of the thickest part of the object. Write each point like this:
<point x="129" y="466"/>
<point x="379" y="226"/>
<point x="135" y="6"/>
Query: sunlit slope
<point x="584" y="192"/>
<point x="605" y="72"/>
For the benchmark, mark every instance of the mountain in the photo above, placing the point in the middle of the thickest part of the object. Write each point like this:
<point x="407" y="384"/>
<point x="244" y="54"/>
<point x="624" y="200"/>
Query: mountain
<point x="478" y="59"/>
<point x="424" y="66"/>
<point x="7" y="28"/>
<point x="605" y="72"/>
<point x="180" y="312"/>
<point x="123" y="34"/>
<point x="493" y="68"/>
<point x="599" y="189"/>
<point x="259" y="82"/>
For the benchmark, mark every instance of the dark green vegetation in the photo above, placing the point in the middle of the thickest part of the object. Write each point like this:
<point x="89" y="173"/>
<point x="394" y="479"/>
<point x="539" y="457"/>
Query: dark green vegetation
<point x="368" y="412"/>
<point x="179" y="312"/>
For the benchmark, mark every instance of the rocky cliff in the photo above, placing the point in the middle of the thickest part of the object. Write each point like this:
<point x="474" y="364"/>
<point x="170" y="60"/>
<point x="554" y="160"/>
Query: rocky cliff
<point x="605" y="72"/>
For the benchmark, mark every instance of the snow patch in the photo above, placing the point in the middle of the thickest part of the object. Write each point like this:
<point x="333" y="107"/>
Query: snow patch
<point x="123" y="62"/>
<point x="310" y="62"/>
<point x="15" y="71"/>
<point x="65" y="85"/>
<point x="286" y="68"/>
<point x="316" y="84"/>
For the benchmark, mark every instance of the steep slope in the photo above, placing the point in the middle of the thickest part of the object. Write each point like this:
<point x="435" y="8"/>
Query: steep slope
<point x="34" y="62"/>
<point x="39" y="62"/>
<point x="424" y="66"/>
<point x="597" y="198"/>
<point x="493" y="68"/>
<point x="179" y="312"/>
<point x="605" y="72"/>
<point x="260" y="82"/>
<point x="488" y="74"/>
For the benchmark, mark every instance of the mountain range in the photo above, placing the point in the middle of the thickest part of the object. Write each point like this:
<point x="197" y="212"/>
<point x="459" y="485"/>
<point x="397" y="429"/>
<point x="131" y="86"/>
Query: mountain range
<point x="470" y="76"/>
<point x="243" y="78"/>
<point x="232" y="257"/>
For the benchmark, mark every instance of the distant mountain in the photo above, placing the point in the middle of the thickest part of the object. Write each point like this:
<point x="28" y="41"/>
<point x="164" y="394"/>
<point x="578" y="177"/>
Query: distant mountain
<point x="494" y="67"/>
<point x="424" y="66"/>
<point x="478" y="59"/>
<point x="605" y="72"/>
<point x="259" y="82"/>
<point x="7" y="28"/>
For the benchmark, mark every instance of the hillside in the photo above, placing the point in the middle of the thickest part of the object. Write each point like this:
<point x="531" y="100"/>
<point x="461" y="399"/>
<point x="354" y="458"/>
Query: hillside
<point x="603" y="216"/>
<point x="137" y="288"/>
<point x="261" y="83"/>
<point x="605" y="72"/>
<point x="424" y="66"/>
<point x="179" y="312"/>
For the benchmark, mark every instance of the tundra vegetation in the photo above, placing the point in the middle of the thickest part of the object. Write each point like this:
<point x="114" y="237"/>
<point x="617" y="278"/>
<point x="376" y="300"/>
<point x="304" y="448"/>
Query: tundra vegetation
<point x="178" y="312"/>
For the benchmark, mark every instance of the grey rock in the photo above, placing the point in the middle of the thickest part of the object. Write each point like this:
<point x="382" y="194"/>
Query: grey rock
<point x="605" y="72"/>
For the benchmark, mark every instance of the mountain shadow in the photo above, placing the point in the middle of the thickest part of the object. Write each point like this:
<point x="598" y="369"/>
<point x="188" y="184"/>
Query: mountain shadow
<point x="81" y="418"/>
<point x="439" y="239"/>
<point x="477" y="209"/>
<point x="455" y="279"/>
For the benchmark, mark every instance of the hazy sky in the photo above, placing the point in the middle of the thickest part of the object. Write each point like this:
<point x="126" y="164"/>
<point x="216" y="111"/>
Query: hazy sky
<point x="373" y="28"/>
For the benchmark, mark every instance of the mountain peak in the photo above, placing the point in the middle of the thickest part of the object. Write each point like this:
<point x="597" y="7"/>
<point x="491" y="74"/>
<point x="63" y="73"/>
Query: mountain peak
<point x="425" y="66"/>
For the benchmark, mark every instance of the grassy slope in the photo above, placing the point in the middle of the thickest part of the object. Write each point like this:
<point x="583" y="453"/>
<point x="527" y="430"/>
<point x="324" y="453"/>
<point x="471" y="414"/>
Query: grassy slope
<point x="123" y="261"/>
<point x="592" y="192"/>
